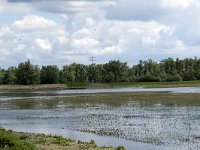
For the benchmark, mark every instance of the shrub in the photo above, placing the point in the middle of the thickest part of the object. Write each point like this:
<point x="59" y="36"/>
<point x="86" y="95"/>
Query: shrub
<point x="8" y="141"/>
<point x="120" y="148"/>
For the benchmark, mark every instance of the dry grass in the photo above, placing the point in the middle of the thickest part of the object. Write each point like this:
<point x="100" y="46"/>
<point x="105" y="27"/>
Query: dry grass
<point x="33" y="87"/>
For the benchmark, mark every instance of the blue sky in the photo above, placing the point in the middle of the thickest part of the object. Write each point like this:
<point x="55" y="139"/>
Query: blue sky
<point x="65" y="31"/>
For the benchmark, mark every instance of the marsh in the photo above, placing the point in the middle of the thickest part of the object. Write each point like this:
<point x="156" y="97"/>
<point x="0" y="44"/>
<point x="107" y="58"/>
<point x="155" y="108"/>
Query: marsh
<point x="139" y="118"/>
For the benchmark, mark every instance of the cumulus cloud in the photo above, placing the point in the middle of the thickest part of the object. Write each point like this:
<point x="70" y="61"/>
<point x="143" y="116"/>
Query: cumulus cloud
<point x="84" y="43"/>
<point x="13" y="7"/>
<point x="32" y="22"/>
<point x="5" y="31"/>
<point x="177" y="3"/>
<point x="84" y="32"/>
<point x="44" y="45"/>
<point x="69" y="31"/>
<point x="107" y="51"/>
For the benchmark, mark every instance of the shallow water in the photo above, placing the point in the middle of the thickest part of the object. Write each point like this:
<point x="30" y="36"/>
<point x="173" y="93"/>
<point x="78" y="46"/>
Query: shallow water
<point x="147" y="120"/>
<point x="7" y="95"/>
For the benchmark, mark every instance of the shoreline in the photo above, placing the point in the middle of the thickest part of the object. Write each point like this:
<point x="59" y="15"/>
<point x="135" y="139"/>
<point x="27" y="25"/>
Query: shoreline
<point x="35" y="141"/>
<point x="75" y="86"/>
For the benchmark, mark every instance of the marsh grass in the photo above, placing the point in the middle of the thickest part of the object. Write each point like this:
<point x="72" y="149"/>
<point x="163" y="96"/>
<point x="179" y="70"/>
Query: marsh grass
<point x="156" y="84"/>
<point x="88" y="85"/>
<point x="109" y="100"/>
<point x="134" y="84"/>
<point x="10" y="140"/>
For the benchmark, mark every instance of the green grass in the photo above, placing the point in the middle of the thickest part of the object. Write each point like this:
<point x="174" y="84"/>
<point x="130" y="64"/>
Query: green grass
<point x="155" y="84"/>
<point x="10" y="140"/>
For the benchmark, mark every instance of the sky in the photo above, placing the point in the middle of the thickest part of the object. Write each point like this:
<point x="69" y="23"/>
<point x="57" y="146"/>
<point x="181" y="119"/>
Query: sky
<point x="59" y="32"/>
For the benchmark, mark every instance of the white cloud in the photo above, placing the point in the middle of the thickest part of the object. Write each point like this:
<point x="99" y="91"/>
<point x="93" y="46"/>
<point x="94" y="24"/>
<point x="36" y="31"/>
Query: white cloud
<point x="90" y="22"/>
<point x="81" y="33"/>
<point x="124" y="29"/>
<point x="5" y="31"/>
<point x="148" y="40"/>
<point x="84" y="43"/>
<point x="13" y="7"/>
<point x="107" y="51"/>
<point x="180" y="45"/>
<point x="1" y="8"/>
<point x="177" y="3"/>
<point x="73" y="57"/>
<point x="62" y="39"/>
<point x="44" y="45"/>
<point x="20" y="48"/>
<point x="4" y="53"/>
<point x="33" y="22"/>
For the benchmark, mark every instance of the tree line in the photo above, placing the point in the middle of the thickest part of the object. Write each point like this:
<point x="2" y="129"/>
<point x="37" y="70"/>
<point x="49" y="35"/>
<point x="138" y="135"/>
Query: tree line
<point x="113" y="71"/>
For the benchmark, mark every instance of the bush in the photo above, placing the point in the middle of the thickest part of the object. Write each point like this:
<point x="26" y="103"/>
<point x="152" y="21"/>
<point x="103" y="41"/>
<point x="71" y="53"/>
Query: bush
<point x="120" y="148"/>
<point x="8" y="141"/>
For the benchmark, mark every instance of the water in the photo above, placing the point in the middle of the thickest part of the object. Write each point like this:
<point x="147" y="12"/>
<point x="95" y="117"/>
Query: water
<point x="7" y="95"/>
<point x="161" y="118"/>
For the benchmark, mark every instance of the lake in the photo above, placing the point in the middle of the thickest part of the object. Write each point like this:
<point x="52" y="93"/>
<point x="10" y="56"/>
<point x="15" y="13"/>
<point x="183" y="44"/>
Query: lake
<point x="138" y="118"/>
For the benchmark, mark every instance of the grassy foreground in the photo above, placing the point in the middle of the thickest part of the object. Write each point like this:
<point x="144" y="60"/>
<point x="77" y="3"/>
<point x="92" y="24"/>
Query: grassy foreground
<point x="100" y="85"/>
<point x="10" y="140"/>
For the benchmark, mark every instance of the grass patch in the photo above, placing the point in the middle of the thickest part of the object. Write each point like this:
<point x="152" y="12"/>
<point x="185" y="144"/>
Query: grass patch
<point x="10" y="140"/>
<point x="156" y="84"/>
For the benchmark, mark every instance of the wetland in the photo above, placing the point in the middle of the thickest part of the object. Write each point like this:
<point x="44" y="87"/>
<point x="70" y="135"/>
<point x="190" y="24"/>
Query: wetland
<point x="137" y="118"/>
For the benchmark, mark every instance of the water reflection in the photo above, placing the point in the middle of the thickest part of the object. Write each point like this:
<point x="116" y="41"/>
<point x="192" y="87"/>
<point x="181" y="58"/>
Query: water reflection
<point x="143" y="120"/>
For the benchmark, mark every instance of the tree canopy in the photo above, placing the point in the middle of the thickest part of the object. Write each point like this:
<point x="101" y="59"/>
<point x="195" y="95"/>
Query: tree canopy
<point x="113" y="71"/>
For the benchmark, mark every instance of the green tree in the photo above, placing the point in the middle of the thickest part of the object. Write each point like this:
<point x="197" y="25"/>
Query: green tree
<point x="115" y="71"/>
<point x="169" y="66"/>
<point x="95" y="72"/>
<point x="2" y="73"/>
<point x="10" y="76"/>
<point x="49" y="74"/>
<point x="27" y="73"/>
<point x="69" y="73"/>
<point x="81" y="73"/>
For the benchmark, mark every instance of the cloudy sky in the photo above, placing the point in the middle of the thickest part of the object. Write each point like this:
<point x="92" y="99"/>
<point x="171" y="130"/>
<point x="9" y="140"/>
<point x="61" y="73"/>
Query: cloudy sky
<point x="66" y="31"/>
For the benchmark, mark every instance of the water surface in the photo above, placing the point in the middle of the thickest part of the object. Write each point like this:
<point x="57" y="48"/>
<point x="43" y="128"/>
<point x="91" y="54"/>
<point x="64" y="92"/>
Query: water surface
<point x="161" y="118"/>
